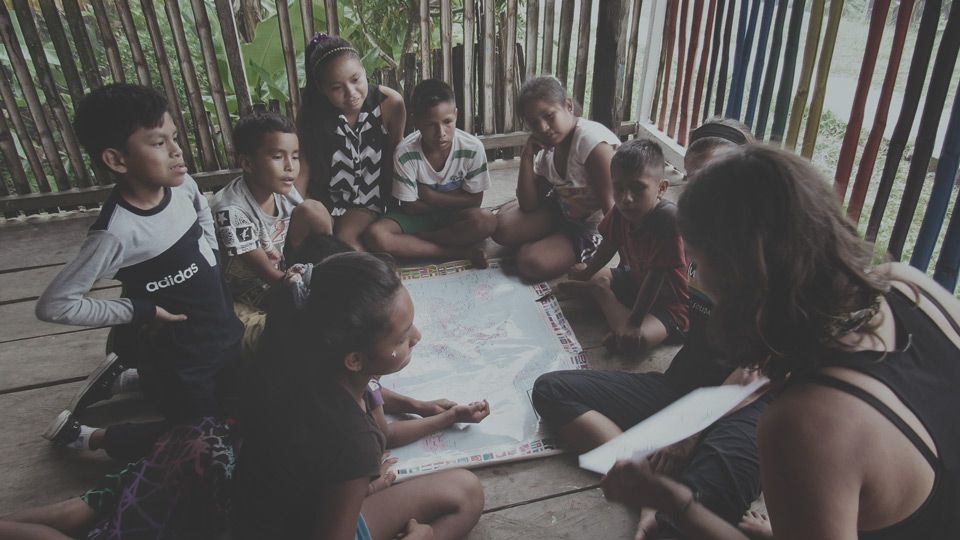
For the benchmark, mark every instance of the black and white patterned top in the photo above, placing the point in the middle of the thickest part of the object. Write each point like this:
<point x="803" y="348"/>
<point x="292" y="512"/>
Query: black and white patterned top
<point x="357" y="159"/>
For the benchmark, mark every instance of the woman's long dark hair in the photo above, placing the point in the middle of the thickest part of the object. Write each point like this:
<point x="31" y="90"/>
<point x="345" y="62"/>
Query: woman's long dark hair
<point x="788" y="263"/>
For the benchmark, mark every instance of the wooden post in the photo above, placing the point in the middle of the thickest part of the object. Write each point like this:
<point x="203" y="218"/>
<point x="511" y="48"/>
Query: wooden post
<point x="289" y="54"/>
<point x="28" y="28"/>
<point x="546" y="59"/>
<point x="681" y="82"/>
<point x="510" y="67"/>
<point x="851" y="137"/>
<point x="446" y="39"/>
<point x="917" y="76"/>
<point x="426" y="50"/>
<point x="583" y="51"/>
<point x="530" y="40"/>
<point x="489" y="34"/>
<point x="231" y="42"/>
<point x="306" y="13"/>
<point x="806" y="72"/>
<point x="58" y="35"/>
<point x="820" y="82"/>
<point x="19" y="63"/>
<point x="109" y="41"/>
<point x="632" y="44"/>
<point x="669" y="34"/>
<point x="702" y="69"/>
<point x="872" y="145"/>
<point x="409" y="65"/>
<point x="22" y="184"/>
<point x="192" y="87"/>
<point x="621" y="55"/>
<point x="333" y="21"/>
<point x="469" y="22"/>
<point x="688" y="75"/>
<point x="651" y="60"/>
<point x="213" y="75"/>
<point x="563" y="50"/>
<point x="130" y="30"/>
<point x="166" y="77"/>
<point x="609" y="21"/>
<point x="88" y="61"/>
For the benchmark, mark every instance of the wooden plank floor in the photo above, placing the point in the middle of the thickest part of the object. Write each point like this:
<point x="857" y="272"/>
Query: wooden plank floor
<point x="41" y="366"/>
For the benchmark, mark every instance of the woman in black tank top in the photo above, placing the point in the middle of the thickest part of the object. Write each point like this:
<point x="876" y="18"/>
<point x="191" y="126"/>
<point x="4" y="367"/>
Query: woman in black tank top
<point x="862" y="440"/>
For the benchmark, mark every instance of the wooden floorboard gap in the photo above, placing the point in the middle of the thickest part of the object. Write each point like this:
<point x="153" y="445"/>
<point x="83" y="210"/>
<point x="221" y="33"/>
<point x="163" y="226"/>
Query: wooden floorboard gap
<point x="46" y="384"/>
<point x="85" y="329"/>
<point x="539" y="499"/>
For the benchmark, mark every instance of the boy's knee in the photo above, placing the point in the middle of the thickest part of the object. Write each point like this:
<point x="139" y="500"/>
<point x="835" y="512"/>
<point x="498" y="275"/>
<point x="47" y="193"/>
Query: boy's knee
<point x="483" y="221"/>
<point x="533" y="266"/>
<point x="467" y="491"/>
<point x="546" y="394"/>
<point x="317" y="213"/>
<point x="377" y="238"/>
<point x="502" y="234"/>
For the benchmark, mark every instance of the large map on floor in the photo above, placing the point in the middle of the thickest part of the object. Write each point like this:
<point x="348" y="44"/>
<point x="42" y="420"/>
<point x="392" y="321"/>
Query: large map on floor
<point x="486" y="335"/>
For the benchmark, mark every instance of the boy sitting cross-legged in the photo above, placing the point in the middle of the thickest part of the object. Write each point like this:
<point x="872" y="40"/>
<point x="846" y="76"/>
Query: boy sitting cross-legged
<point x="262" y="221"/>
<point x="645" y="299"/>
<point x="155" y="235"/>
<point x="440" y="174"/>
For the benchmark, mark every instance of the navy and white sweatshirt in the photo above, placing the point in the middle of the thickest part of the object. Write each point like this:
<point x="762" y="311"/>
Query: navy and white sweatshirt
<point x="164" y="256"/>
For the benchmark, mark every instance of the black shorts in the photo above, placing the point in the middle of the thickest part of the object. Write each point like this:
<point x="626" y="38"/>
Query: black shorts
<point x="724" y="468"/>
<point x="626" y="289"/>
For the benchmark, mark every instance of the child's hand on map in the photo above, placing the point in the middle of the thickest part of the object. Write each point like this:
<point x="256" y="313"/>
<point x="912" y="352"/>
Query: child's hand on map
<point x="415" y="531"/>
<point x="625" y="340"/>
<point x="472" y="413"/>
<point x="386" y="478"/>
<point x="435" y="407"/>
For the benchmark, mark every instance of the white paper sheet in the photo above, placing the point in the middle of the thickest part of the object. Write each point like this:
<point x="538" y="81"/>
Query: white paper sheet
<point x="683" y="418"/>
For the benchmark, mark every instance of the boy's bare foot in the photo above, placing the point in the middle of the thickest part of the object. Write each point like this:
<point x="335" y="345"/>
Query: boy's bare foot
<point x="756" y="525"/>
<point x="478" y="257"/>
<point x="647" y="524"/>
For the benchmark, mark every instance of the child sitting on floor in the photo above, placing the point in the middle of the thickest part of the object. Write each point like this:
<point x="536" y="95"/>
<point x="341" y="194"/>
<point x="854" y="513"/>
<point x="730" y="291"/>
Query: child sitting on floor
<point x="563" y="188"/>
<point x="261" y="219"/>
<point x="645" y="299"/>
<point x="260" y="216"/>
<point x="348" y="129"/>
<point x="155" y="235"/>
<point x="440" y="174"/>
<point x="313" y="426"/>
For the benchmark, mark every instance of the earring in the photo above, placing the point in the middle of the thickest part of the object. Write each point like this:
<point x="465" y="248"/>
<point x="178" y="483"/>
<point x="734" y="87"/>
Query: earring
<point x="393" y="354"/>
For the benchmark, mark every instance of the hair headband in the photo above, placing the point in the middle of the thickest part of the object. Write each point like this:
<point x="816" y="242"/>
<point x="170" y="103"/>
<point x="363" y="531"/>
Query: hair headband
<point x="320" y="37"/>
<point x="722" y="131"/>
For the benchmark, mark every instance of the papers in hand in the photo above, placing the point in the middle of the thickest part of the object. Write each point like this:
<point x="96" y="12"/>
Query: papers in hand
<point x="683" y="418"/>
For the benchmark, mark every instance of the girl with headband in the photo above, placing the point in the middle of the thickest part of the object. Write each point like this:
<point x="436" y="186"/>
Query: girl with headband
<point x="348" y="129"/>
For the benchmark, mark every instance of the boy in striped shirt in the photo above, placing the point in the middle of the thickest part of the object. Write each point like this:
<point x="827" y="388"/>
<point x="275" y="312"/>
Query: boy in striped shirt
<point x="440" y="174"/>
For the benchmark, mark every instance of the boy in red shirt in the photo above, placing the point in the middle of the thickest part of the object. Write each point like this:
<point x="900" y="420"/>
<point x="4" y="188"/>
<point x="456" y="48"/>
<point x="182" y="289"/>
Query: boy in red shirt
<point x="645" y="299"/>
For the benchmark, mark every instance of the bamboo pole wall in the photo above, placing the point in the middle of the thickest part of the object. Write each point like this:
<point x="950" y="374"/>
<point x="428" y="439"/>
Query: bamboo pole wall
<point x="692" y="59"/>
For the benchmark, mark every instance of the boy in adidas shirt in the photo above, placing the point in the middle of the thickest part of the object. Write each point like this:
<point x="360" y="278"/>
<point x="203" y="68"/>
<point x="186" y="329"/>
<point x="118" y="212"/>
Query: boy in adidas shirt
<point x="155" y="235"/>
<point x="440" y="174"/>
